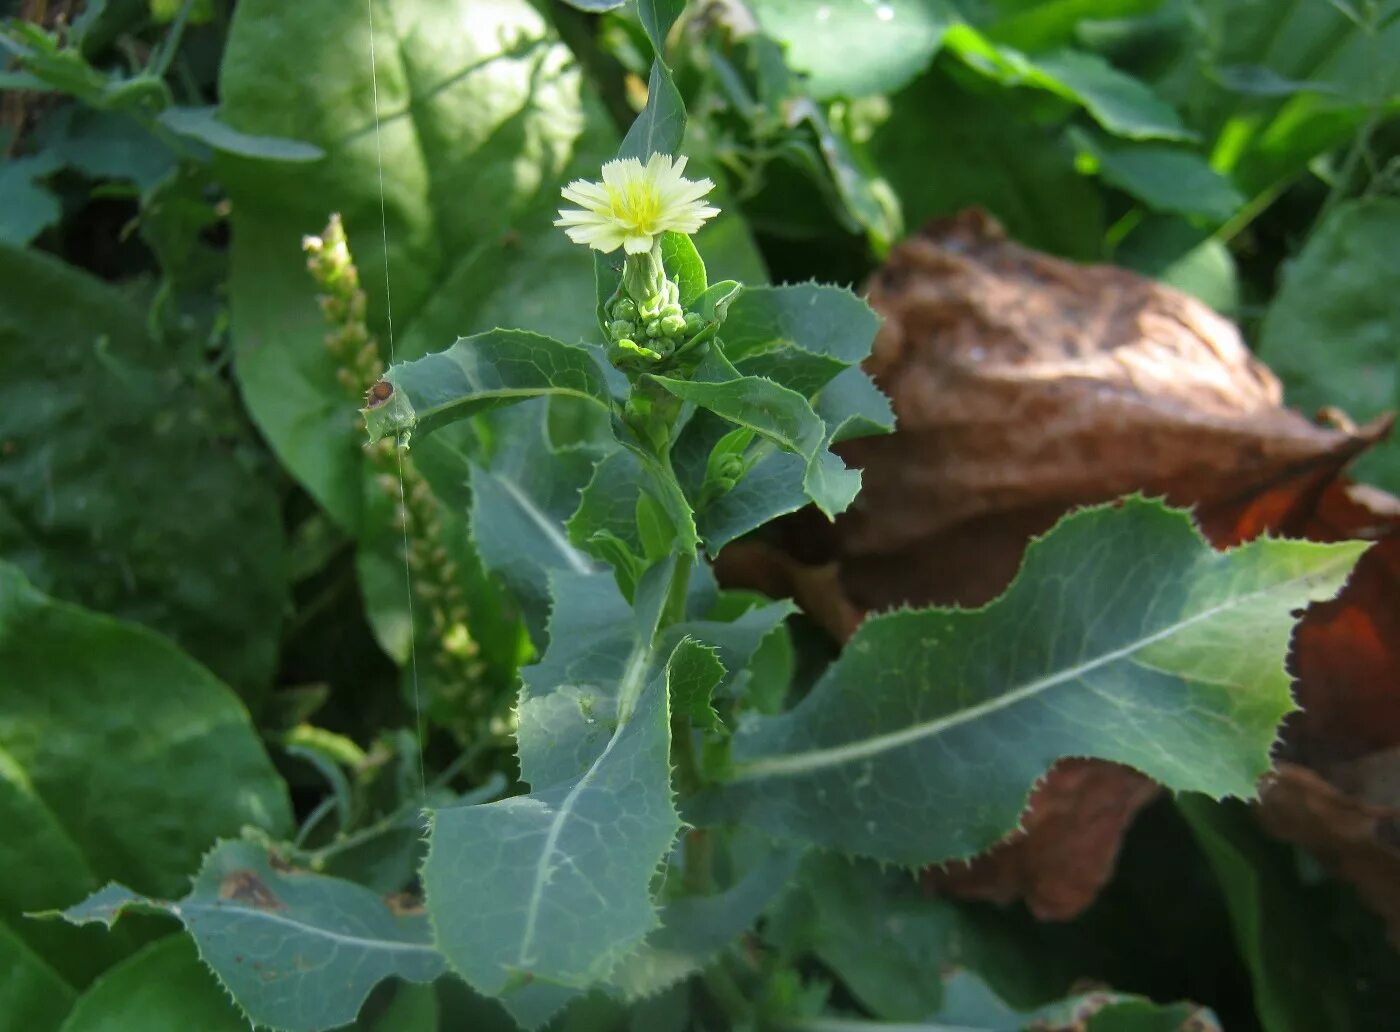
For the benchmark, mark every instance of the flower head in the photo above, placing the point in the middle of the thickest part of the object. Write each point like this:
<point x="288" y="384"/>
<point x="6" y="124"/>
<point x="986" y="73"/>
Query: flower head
<point x="635" y="203"/>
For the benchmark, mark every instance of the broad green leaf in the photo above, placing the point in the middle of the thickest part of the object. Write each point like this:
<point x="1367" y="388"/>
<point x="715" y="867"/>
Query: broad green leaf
<point x="852" y="406"/>
<point x="782" y="416"/>
<point x="607" y="508"/>
<point x="42" y="866"/>
<point x="1166" y="179"/>
<point x="296" y="950"/>
<point x="107" y="145"/>
<point x="554" y="887"/>
<point x="802" y="335"/>
<point x="1333" y="331"/>
<point x="33" y="997"/>
<point x="694" y="929"/>
<point x="27" y="207"/>
<point x="1273" y="136"/>
<point x="482" y="117"/>
<point x="1121" y="104"/>
<point x="1185" y="256"/>
<point x="970" y="1006"/>
<point x="854" y="48"/>
<point x="1045" y="24"/>
<point x="695" y="674"/>
<point x="476" y="374"/>
<point x="129" y="483"/>
<point x="1279" y="928"/>
<point x="600" y="655"/>
<point x="877" y="930"/>
<point x="1119" y="639"/>
<point x="522" y="494"/>
<point x="949" y="145"/>
<point x="203" y="124"/>
<point x="108" y="710"/>
<point x="162" y="987"/>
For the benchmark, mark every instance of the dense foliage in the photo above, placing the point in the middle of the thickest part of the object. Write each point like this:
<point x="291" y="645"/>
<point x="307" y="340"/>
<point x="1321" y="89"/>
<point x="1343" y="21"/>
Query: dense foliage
<point x="459" y="728"/>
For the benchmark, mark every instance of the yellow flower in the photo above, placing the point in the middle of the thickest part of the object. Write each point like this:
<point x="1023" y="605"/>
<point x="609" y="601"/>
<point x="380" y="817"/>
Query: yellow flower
<point x="635" y="203"/>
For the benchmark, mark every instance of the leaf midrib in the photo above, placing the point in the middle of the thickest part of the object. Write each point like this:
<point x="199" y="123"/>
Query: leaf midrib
<point x="385" y="945"/>
<point x="814" y="760"/>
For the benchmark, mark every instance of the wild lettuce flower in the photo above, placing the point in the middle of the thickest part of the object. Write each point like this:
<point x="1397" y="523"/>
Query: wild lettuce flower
<point x="634" y="204"/>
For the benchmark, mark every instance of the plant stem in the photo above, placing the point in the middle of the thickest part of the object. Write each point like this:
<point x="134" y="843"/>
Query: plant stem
<point x="674" y="611"/>
<point x="726" y="992"/>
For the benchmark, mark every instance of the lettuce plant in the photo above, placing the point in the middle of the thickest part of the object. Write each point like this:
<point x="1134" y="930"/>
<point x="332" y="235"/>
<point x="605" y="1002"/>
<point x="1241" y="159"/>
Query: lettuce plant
<point x="676" y="783"/>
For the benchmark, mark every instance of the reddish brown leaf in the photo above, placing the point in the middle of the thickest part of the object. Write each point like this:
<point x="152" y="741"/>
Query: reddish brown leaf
<point x="1357" y="839"/>
<point x="1066" y="849"/>
<point x="1025" y="385"/>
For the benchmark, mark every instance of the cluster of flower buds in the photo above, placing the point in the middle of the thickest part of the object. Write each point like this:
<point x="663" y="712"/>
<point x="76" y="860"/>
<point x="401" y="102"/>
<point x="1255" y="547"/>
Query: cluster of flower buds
<point x="343" y="305"/>
<point x="653" y="329"/>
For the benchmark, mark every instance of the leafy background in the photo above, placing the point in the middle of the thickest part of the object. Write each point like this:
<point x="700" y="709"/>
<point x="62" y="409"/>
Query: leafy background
<point x="203" y="566"/>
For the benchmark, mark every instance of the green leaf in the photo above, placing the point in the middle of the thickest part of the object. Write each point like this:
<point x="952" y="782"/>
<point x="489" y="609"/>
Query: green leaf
<point x="949" y="145"/>
<point x="695" y="674"/>
<point x="554" y="887"/>
<point x="1044" y="24"/>
<point x="853" y="48"/>
<point x="802" y="335"/>
<point x="970" y="1006"/>
<point x="694" y="929"/>
<point x="476" y="374"/>
<point x="1333" y="331"/>
<point x="130" y="483"/>
<point x="162" y="987"/>
<point x="33" y="997"/>
<point x="1298" y="985"/>
<point x="1272" y="138"/>
<point x="296" y="950"/>
<point x="1167" y="179"/>
<point x="203" y="124"/>
<point x="600" y="656"/>
<point x="607" y="507"/>
<point x="521" y="496"/>
<point x="782" y="416"/>
<point x="487" y="101"/>
<point x="41" y="865"/>
<point x="27" y="207"/>
<point x="684" y="265"/>
<point x="1121" y="104"/>
<point x="1118" y="639"/>
<point x="852" y="406"/>
<point x="108" y="710"/>
<point x="1185" y="256"/>
<point x="660" y="128"/>
<point x="874" y="928"/>
<point x="657" y="17"/>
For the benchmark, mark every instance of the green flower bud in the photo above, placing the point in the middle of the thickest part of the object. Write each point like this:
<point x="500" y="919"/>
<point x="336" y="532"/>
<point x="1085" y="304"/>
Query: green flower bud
<point x="653" y="327"/>
<point x="629" y="347"/>
<point x="673" y="325"/>
<point x="619" y="328"/>
<point x="625" y="310"/>
<point x="694" y="323"/>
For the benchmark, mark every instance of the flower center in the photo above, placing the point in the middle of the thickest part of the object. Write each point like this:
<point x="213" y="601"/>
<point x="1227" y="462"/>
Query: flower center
<point x="637" y="204"/>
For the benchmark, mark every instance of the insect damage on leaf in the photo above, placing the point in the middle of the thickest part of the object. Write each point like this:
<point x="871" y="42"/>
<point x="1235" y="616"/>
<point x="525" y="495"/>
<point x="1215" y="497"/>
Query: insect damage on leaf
<point x="378" y="394"/>
<point x="246" y="887"/>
